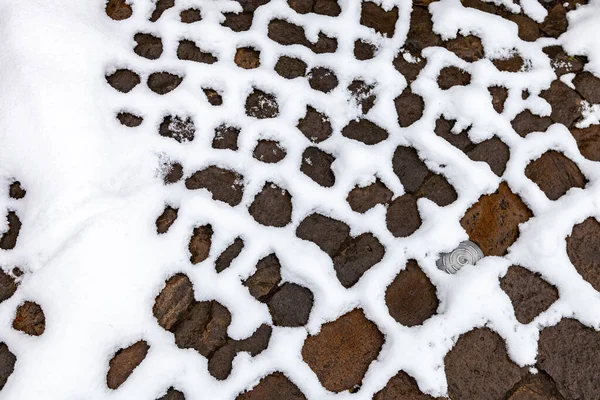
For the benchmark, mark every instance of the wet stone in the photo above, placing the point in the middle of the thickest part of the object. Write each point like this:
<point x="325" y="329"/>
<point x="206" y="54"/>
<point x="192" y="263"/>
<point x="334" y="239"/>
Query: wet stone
<point x="583" y="248"/>
<point x="172" y="394"/>
<point x="588" y="86"/>
<point x="213" y="97"/>
<point x="469" y="48"/>
<point x="291" y="305"/>
<point x="588" y="141"/>
<point x="499" y="95"/>
<point x="166" y="219"/>
<point x="187" y="50"/>
<point x="529" y="294"/>
<point x="238" y="22"/>
<point x="16" y="191"/>
<point x="556" y="22"/>
<point x="290" y="67"/>
<point x="478" y="367"/>
<point x="411" y="298"/>
<point x="526" y="122"/>
<point x="561" y="62"/>
<point x="355" y="257"/>
<point x="8" y="286"/>
<point x="362" y="199"/>
<point x="315" y="125"/>
<point x="247" y="58"/>
<point x="200" y="243"/>
<point x="124" y="362"/>
<point x="123" y="80"/>
<point x="129" y="120"/>
<point x="163" y="82"/>
<point x="261" y="105"/>
<point x="272" y="206"/>
<point x="172" y="301"/>
<point x="161" y="7"/>
<point x="401" y="386"/>
<point x="565" y="102"/>
<point x="409" y="168"/>
<point x="443" y="128"/>
<point x="173" y="173"/>
<point x="570" y="353"/>
<point x="7" y="364"/>
<point x="202" y="327"/>
<point x="148" y="46"/>
<point x="268" y="151"/>
<point x="408" y="66"/>
<point x="226" y="137"/>
<point x="555" y="174"/>
<point x="223" y="184"/>
<point x="30" y="319"/>
<point x="325" y="232"/>
<point x="403" y="218"/>
<point x="364" y="131"/>
<point x="229" y="254"/>
<point x="515" y="63"/>
<point x="374" y="16"/>
<point x="409" y="107"/>
<point x="8" y="240"/>
<point x="275" y="386"/>
<point x="322" y="79"/>
<point x="494" y="152"/>
<point x="342" y="351"/>
<point x="439" y="190"/>
<point x="364" y="50"/>
<point x="316" y="164"/>
<point x="265" y="280"/>
<point x="177" y="128"/>
<point x="117" y="10"/>
<point x="362" y="94"/>
<point x="190" y="15"/>
<point x="493" y="222"/>
<point x="453" y="76"/>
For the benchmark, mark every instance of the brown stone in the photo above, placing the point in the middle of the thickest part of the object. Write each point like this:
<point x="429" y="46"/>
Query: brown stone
<point x="439" y="190"/>
<point x="555" y="174"/>
<point x="261" y="105"/>
<point x="514" y="63"/>
<point x="202" y="327"/>
<point x="190" y="15"/>
<point x="478" y="367"/>
<point x="166" y="219"/>
<point x="275" y="386"/>
<point x="374" y="16"/>
<point x="316" y="164"/>
<point x="588" y="86"/>
<point x="16" y="191"/>
<point x="411" y="298"/>
<point x="494" y="152"/>
<point x="286" y="33"/>
<point x="290" y="67"/>
<point x="8" y="286"/>
<point x="223" y="184"/>
<point x="583" y="248"/>
<point x="129" y="120"/>
<point x="556" y="22"/>
<point x="342" y="351"/>
<point x="364" y="50"/>
<point x="324" y="44"/>
<point x="263" y="283"/>
<point x="251" y="5"/>
<point x="409" y="107"/>
<point x="124" y="362"/>
<point x="364" y="131"/>
<point x="355" y="257"/>
<point x="362" y="94"/>
<point x="272" y="206"/>
<point x="173" y="300"/>
<point x="247" y="58"/>
<point x="420" y="33"/>
<point x="443" y="128"/>
<point x="526" y="122"/>
<point x="409" y="168"/>
<point x="173" y="173"/>
<point x="123" y="80"/>
<point x="588" y="141"/>
<point x="565" y="102"/>
<point x="187" y="50"/>
<point x="499" y="95"/>
<point x="453" y="76"/>
<point x="161" y="7"/>
<point x="325" y="232"/>
<point x="403" y="218"/>
<point x="226" y="137"/>
<point x="322" y="79"/>
<point x="529" y="293"/>
<point x="561" y="62"/>
<point x="493" y="222"/>
<point x="290" y="305"/>
<point x="315" y="125"/>
<point x="528" y="29"/>
<point x="362" y="199"/>
<point x="213" y="97"/>
<point x="301" y="6"/>
<point x="410" y="70"/>
<point x="117" y="10"/>
<point x="178" y="128"/>
<point x="229" y="254"/>
<point x="30" y="319"/>
<point x="163" y="82"/>
<point x="268" y="151"/>
<point x="7" y="364"/>
<point x="469" y="48"/>
<point x="257" y="342"/>
<point x="8" y="240"/>
<point x="172" y="394"/>
<point x="148" y="46"/>
<point x="570" y="353"/>
<point x="200" y="243"/>
<point x="535" y="387"/>
<point x="401" y="387"/>
<point x="238" y="22"/>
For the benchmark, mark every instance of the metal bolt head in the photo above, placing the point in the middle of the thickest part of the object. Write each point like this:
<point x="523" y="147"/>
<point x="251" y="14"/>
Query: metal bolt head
<point x="467" y="253"/>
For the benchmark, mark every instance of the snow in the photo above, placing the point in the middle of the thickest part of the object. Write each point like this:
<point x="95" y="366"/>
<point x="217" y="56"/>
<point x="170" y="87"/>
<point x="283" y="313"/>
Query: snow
<point x="88" y="243"/>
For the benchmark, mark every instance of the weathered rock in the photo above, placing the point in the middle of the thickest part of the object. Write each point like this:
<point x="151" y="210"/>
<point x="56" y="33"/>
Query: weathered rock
<point x="178" y="128"/>
<point x="163" y="82"/>
<point x="203" y="327"/>
<point x="322" y="79"/>
<point x="263" y="283"/>
<point x="443" y="128"/>
<point x="173" y="394"/>
<point x="325" y="232"/>
<point x="583" y="248"/>
<point x="247" y="57"/>
<point x="514" y="63"/>
<point x="8" y="240"/>
<point x="355" y="257"/>
<point x="286" y="33"/>
<point x="362" y="199"/>
<point x="420" y="33"/>
<point x="223" y="184"/>
<point x="148" y="46"/>
<point x="362" y="95"/>
<point x="401" y="387"/>
<point x="7" y="364"/>
<point x="437" y="189"/>
<point x="30" y="319"/>
<point x="16" y="191"/>
<point x="364" y="50"/>
<point x="316" y="164"/>
<point x="213" y="97"/>
<point x="409" y="107"/>
<point x="343" y="350"/>
<point x="124" y="362"/>
<point x="268" y="151"/>
<point x="275" y="386"/>
<point x="588" y="141"/>
<point x="403" y="218"/>
<point x="494" y="152"/>
<point x="257" y="342"/>
<point x="528" y="29"/>
<point x="290" y="67"/>
<point x="166" y="219"/>
<point x="565" y="102"/>
<point x="469" y="48"/>
<point x="409" y="168"/>
<point x="161" y="7"/>
<point x="330" y="8"/>
<point x="200" y="243"/>
<point x="453" y="76"/>
<point x="555" y="174"/>
<point x="130" y="120"/>
<point x="226" y="137"/>
<point x="315" y="125"/>
<point x="526" y="122"/>
<point x="409" y="67"/>
<point x="261" y="105"/>
<point x="535" y="387"/>
<point x="324" y="44"/>
<point x="556" y="22"/>
<point x="123" y="80"/>
<point x="374" y="16"/>
<point x="561" y="62"/>
<point x="364" y="131"/>
<point x="8" y="286"/>
<point x="190" y="15"/>
<point x="251" y="5"/>
<point x="173" y="300"/>
<point x="499" y="95"/>
<point x="238" y="22"/>
<point x="272" y="206"/>
<point x="117" y="10"/>
<point x="493" y="222"/>
<point x="229" y="254"/>
<point x="173" y="172"/>
<point x="301" y="6"/>
<point x="290" y="305"/>
<point x="187" y="50"/>
<point x="588" y="86"/>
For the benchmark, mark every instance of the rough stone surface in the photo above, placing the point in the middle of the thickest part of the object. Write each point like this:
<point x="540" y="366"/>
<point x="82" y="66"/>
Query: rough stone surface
<point x="226" y="137"/>
<point x="200" y="243"/>
<point x="8" y="240"/>
<point x="268" y="151"/>
<point x="588" y="141"/>
<point x="223" y="184"/>
<point x="362" y="95"/>
<point x="409" y="107"/>
<point x="30" y="319"/>
<point x="148" y="46"/>
<point x="265" y="280"/>
<point x="272" y="206"/>
<point x="443" y="128"/>
<point x="123" y="80"/>
<point x="261" y="105"/>
<point x="316" y="164"/>
<point x="401" y="387"/>
<point x="213" y="97"/>
<point x="409" y="168"/>
<point x="161" y="7"/>
<point x="453" y="76"/>
<point x="238" y="22"/>
<point x="355" y="257"/>
<point x="362" y="199"/>
<point x="526" y="122"/>
<point x="190" y="15"/>
<point x="124" y="362"/>
<point x="374" y="16"/>
<point x="420" y="33"/>
<point x="403" y="218"/>
<point x="166" y="219"/>
<point x="315" y="125"/>
<point x="275" y="386"/>
<point x="130" y="120"/>
<point x="322" y="79"/>
<point x="117" y="10"/>
<point x="247" y="58"/>
<point x="499" y="95"/>
<point x="535" y="387"/>
<point x="173" y="173"/>
<point x="16" y="191"/>
<point x="561" y="62"/>
<point x="364" y="50"/>
<point x="187" y="50"/>
<point x="364" y="131"/>
<point x="173" y="394"/>
<point x="514" y="63"/>
<point x="290" y="67"/>
<point x="494" y="152"/>
<point x="469" y="48"/>
<point x="7" y="364"/>
<point x="583" y="248"/>
<point x="229" y="254"/>
<point x="588" y="86"/>
<point x="178" y="128"/>
<point x="556" y="22"/>
<point x="172" y="301"/>
<point x="8" y="286"/>
<point x="437" y="189"/>
<point x="291" y="305"/>
<point x="202" y="327"/>
<point x="325" y="232"/>
<point x="555" y="174"/>
<point x="565" y="102"/>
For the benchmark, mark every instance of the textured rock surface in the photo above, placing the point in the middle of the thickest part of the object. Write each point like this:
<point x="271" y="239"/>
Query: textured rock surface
<point x="401" y="387"/>
<point x="123" y="363"/>
<point x="30" y="319"/>
<point x="583" y="248"/>
<point x="272" y="206"/>
<point x="223" y="184"/>
<point x="555" y="174"/>
<point x="275" y="386"/>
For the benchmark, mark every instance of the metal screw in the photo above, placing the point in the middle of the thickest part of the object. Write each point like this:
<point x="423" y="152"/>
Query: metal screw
<point x="467" y="253"/>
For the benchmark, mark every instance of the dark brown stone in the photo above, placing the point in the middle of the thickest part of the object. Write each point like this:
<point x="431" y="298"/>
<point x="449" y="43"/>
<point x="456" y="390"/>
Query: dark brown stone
<point x="223" y="184"/>
<point x="315" y="125"/>
<point x="526" y="122"/>
<point x="291" y="305"/>
<point x="420" y="33"/>
<point x="247" y="58"/>
<point x="570" y="353"/>
<point x="286" y="33"/>
<point x="588" y="141"/>
<point x="301" y="6"/>
<point x="117" y="10"/>
<point x="437" y="189"/>
<point x="453" y="76"/>
<point x="342" y="351"/>
<point x="187" y="50"/>
<point x="362" y="199"/>
<point x="478" y="367"/>
<point x="588" y="86"/>
<point x="514" y="63"/>
<point x="374" y="16"/>
<point x="322" y="79"/>
<point x="172" y="394"/>
<point x="30" y="319"/>
<point x="7" y="364"/>
<point x="583" y="248"/>
<point x="124" y="362"/>
<point x="238" y="22"/>
<point x="364" y="50"/>
<point x="469" y="48"/>
<point x="535" y="387"/>
<point x="272" y="206"/>
<point x="410" y="70"/>
<point x="161" y="7"/>
<point x="403" y="218"/>
<point x="275" y="386"/>
<point x="409" y="107"/>
<point x="330" y="8"/>
<point x="443" y="128"/>
<point x="556" y="22"/>
<point x="528" y="29"/>
<point x="177" y="128"/>
<point x="123" y="80"/>
<point x="529" y="293"/>
<point x="324" y="44"/>
<point x="148" y="46"/>
<point x="493" y="222"/>
<point x="8" y="286"/>
<point x="561" y="62"/>
<point x="494" y="152"/>
<point x="220" y="362"/>
<point x="202" y="327"/>
<point x="355" y="257"/>
<point x="325" y="232"/>
<point x="362" y="94"/>
<point x="269" y="151"/>
<point x="290" y="67"/>
<point x="190" y="15"/>
<point x="213" y="97"/>
<point x="499" y="95"/>
<point x="555" y="174"/>
<point x="565" y="102"/>
<point x="364" y="131"/>
<point x="401" y="387"/>
<point x="257" y="342"/>
<point x="130" y="120"/>
<point x="251" y="5"/>
<point x="200" y="243"/>
<point x="316" y="164"/>
<point x="409" y="168"/>
<point x="8" y="240"/>
<point x="261" y="105"/>
<point x="411" y="298"/>
<point x="226" y="137"/>
<point x="173" y="300"/>
<point x="16" y="191"/>
<point x="163" y="82"/>
<point x="166" y="219"/>
<point x="265" y="280"/>
<point x="173" y="173"/>
<point x="229" y="254"/>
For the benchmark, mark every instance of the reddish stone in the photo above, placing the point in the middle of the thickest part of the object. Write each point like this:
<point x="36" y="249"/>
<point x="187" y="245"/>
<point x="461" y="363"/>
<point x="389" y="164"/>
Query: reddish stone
<point x="124" y="362"/>
<point x="555" y="174"/>
<point x="247" y="58"/>
<point x="469" y="48"/>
